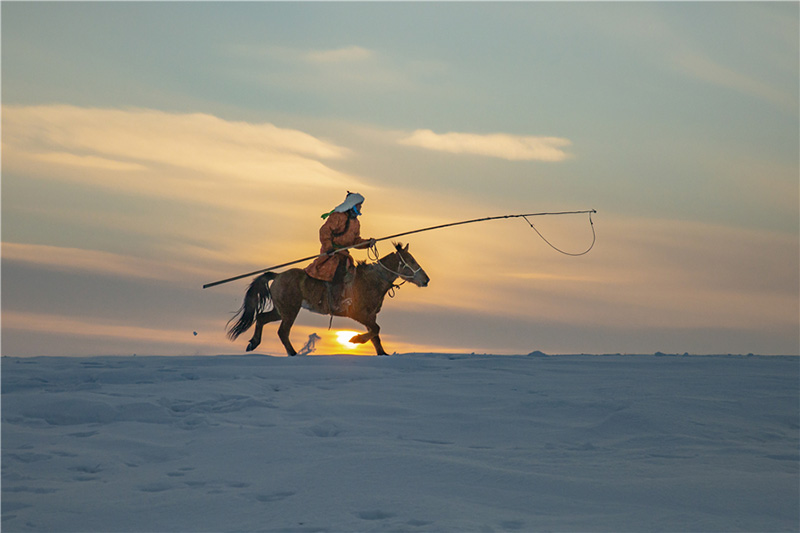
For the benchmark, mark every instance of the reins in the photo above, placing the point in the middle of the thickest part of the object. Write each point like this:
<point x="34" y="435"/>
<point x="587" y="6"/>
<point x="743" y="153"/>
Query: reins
<point x="373" y="255"/>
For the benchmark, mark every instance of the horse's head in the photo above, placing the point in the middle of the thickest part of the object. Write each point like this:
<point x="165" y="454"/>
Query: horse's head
<point x="408" y="269"/>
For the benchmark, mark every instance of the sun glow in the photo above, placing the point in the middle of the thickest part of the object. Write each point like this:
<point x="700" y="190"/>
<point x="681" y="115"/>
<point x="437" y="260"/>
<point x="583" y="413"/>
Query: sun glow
<point x="343" y="337"/>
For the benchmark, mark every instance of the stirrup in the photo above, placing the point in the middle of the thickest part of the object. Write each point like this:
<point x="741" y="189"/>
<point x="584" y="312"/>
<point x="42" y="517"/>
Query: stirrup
<point x="345" y="304"/>
<point x="331" y="308"/>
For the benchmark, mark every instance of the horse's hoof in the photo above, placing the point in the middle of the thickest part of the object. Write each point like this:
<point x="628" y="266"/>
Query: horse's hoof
<point x="250" y="347"/>
<point x="358" y="339"/>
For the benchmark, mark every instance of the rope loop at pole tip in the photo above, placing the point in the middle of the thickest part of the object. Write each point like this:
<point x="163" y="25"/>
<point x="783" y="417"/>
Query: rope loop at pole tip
<point x="551" y="245"/>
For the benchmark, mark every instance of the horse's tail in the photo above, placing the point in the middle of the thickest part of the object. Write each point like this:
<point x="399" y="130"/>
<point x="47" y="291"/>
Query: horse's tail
<point x="255" y="301"/>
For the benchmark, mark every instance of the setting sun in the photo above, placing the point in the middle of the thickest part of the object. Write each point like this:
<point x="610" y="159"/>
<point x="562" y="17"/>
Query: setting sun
<point x="343" y="337"/>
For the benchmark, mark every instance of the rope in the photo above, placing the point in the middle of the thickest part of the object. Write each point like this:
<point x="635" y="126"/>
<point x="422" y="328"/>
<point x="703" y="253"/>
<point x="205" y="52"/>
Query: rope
<point x="551" y="245"/>
<point x="372" y="253"/>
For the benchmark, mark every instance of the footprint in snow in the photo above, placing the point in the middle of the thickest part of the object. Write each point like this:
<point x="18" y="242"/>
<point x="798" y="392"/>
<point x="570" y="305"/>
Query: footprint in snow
<point x="274" y="497"/>
<point x="155" y="487"/>
<point x="375" y="515"/>
<point x="324" y="429"/>
<point x="88" y="469"/>
<point x="82" y="434"/>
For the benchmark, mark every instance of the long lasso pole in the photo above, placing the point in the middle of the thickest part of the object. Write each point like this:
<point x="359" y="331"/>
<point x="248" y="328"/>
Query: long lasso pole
<point x="484" y="220"/>
<point x="430" y="228"/>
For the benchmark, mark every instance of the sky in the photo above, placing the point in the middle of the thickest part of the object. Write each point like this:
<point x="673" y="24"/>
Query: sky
<point x="150" y="148"/>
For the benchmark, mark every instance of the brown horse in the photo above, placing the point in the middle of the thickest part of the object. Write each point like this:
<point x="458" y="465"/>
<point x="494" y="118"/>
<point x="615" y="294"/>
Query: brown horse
<point x="293" y="289"/>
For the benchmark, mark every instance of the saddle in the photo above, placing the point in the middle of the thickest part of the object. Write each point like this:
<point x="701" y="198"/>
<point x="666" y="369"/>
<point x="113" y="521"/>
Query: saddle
<point x="329" y="297"/>
<point x="340" y="297"/>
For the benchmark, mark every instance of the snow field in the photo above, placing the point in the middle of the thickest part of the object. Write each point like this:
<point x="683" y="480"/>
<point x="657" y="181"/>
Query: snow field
<point x="417" y="442"/>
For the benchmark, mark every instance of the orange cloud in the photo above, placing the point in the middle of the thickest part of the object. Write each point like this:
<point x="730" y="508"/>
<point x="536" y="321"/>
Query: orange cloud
<point x="65" y="325"/>
<point x="95" y="262"/>
<point x="141" y="138"/>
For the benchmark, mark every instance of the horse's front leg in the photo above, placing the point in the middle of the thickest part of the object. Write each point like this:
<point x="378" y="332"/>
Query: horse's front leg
<point x="376" y="341"/>
<point x="372" y="334"/>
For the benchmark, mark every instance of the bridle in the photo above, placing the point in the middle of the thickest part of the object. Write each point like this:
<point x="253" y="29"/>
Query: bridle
<point x="373" y="251"/>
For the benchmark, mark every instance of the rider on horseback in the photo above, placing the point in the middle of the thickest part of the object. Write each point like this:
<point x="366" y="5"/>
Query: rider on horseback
<point x="340" y="230"/>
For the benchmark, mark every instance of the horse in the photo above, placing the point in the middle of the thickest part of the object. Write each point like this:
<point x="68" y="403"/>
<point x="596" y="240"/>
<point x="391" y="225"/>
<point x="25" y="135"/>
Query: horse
<point x="293" y="289"/>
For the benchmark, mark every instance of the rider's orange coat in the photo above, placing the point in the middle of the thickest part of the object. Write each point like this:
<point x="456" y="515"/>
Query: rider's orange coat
<point x="339" y="230"/>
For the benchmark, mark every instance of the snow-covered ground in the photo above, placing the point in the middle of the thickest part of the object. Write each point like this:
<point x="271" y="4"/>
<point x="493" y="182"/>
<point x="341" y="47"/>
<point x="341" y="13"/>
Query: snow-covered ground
<point x="402" y="443"/>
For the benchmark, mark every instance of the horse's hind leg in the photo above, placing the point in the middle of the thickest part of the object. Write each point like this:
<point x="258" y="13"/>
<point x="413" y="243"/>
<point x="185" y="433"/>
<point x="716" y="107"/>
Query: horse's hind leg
<point x="261" y="319"/>
<point x="287" y="321"/>
<point x="376" y="341"/>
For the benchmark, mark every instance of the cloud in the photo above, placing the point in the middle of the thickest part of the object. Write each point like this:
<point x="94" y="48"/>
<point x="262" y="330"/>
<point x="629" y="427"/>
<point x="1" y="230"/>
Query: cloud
<point x="64" y="325"/>
<point x="346" y="54"/>
<point x="499" y="145"/>
<point x="136" y="139"/>
<point x="339" y="55"/>
<point x="65" y="259"/>
<point x="87" y="161"/>
<point x="704" y="69"/>
<point x="351" y="69"/>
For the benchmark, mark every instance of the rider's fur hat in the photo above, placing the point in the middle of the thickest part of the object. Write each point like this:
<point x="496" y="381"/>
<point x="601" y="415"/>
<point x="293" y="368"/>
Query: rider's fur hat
<point x="352" y="200"/>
